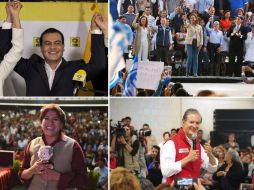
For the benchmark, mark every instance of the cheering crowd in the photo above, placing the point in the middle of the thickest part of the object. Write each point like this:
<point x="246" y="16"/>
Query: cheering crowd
<point x="196" y="38"/>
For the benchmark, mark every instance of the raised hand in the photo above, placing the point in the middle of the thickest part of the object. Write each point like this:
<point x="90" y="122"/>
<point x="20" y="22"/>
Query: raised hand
<point x="100" y="22"/>
<point x="208" y="148"/>
<point x="193" y="154"/>
<point x="8" y="13"/>
<point x="248" y="69"/>
<point x="198" y="186"/>
<point x="14" y="8"/>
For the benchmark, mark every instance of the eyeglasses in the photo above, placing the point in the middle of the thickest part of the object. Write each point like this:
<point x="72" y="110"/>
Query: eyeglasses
<point x="55" y="43"/>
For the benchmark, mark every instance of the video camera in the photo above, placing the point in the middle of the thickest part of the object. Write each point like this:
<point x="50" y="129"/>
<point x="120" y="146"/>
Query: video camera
<point x="142" y="132"/>
<point x="186" y="10"/>
<point x="118" y="129"/>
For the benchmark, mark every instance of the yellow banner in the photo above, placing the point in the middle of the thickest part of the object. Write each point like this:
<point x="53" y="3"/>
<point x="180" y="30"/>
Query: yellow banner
<point x="57" y="11"/>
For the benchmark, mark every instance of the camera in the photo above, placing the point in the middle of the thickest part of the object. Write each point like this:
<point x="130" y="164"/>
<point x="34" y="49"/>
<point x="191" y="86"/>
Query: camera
<point x="185" y="183"/>
<point x="156" y="164"/>
<point x="118" y="129"/>
<point x="144" y="132"/>
<point x="186" y="10"/>
<point x="167" y="68"/>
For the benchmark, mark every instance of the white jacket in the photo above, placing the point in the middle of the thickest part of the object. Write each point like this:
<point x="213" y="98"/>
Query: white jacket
<point x="12" y="57"/>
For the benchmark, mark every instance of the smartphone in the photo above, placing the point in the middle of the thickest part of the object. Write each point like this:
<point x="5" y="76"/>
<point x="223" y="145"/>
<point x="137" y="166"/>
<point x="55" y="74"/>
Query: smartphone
<point x="185" y="181"/>
<point x="167" y="71"/>
<point x="167" y="68"/>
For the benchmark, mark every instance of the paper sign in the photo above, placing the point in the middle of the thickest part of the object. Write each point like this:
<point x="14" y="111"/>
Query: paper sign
<point x="149" y="74"/>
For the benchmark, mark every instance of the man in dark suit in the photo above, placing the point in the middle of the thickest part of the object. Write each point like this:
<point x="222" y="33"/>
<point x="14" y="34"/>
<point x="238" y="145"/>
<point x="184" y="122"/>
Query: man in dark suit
<point x="210" y="15"/>
<point x="238" y="34"/>
<point x="221" y="6"/>
<point x="52" y="76"/>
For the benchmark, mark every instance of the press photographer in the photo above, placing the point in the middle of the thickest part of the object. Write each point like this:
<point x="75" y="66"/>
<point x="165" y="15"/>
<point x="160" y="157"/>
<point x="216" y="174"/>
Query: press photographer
<point x="126" y="145"/>
<point x="150" y="139"/>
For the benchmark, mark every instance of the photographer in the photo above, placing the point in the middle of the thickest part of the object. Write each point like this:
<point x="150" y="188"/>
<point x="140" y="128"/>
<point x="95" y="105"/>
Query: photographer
<point x="126" y="145"/>
<point x="150" y="139"/>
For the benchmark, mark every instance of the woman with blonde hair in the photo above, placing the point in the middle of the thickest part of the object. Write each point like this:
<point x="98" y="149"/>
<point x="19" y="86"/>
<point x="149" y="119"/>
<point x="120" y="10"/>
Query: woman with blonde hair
<point x="122" y="178"/>
<point x="142" y="39"/>
<point x="194" y="42"/>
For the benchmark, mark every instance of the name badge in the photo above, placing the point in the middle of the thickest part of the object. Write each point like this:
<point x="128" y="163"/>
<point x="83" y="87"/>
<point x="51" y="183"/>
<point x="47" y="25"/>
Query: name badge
<point x="183" y="150"/>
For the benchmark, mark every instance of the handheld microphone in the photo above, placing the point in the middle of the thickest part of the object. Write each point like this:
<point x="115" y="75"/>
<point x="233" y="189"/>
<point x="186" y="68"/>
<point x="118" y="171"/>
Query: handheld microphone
<point x="79" y="80"/>
<point x="194" y="141"/>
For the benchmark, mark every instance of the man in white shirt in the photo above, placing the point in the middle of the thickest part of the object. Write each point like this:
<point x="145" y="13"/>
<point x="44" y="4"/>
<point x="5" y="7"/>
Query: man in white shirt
<point x="183" y="156"/>
<point x="249" y="47"/>
<point x="150" y="18"/>
<point x="166" y="137"/>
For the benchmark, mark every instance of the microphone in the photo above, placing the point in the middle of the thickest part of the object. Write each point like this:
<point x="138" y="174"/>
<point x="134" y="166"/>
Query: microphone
<point x="79" y="80"/>
<point x="194" y="141"/>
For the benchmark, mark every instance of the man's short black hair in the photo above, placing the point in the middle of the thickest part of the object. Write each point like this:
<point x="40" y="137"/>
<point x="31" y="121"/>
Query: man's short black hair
<point x="173" y="130"/>
<point x="164" y="134"/>
<point x="121" y="16"/>
<point x="175" y="87"/>
<point x="51" y="30"/>
<point x="156" y="147"/>
<point x="128" y="117"/>
<point x="181" y="92"/>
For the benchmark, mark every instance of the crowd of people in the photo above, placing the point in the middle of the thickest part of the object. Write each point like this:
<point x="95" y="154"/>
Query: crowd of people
<point x="18" y="126"/>
<point x="221" y="167"/>
<point x="196" y="38"/>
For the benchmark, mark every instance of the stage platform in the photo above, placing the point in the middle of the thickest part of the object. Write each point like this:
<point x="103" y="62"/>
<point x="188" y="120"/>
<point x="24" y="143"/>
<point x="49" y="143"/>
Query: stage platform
<point x="225" y="86"/>
<point x="224" y="89"/>
<point x="206" y="79"/>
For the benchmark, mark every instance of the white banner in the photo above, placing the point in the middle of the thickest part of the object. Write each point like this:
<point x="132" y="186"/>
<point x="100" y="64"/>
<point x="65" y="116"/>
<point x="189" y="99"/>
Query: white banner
<point x="149" y="74"/>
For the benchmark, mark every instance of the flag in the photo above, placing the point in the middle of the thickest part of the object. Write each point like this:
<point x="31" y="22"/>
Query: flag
<point x="113" y="9"/>
<point x="120" y="37"/>
<point x="115" y="80"/>
<point x="130" y="83"/>
<point x="87" y="54"/>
